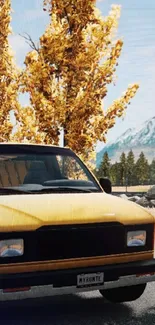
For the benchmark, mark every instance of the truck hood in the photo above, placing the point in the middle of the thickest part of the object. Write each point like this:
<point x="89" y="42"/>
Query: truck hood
<point x="30" y="212"/>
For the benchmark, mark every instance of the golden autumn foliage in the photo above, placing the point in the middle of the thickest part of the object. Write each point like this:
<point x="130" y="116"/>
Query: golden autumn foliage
<point x="8" y="74"/>
<point x="67" y="77"/>
<point x="26" y="128"/>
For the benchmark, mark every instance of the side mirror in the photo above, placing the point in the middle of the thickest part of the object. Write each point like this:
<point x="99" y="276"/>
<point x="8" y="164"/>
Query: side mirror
<point x="106" y="185"/>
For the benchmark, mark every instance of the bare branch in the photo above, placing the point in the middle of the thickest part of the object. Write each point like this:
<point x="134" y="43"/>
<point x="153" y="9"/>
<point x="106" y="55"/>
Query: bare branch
<point x="30" y="42"/>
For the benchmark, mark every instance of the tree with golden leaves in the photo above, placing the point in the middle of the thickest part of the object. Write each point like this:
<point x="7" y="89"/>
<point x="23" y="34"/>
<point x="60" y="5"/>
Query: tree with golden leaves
<point x="67" y="76"/>
<point x="26" y="128"/>
<point x="8" y="74"/>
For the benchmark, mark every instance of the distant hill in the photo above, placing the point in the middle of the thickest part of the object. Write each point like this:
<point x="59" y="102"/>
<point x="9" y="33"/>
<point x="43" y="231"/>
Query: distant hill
<point x="138" y="139"/>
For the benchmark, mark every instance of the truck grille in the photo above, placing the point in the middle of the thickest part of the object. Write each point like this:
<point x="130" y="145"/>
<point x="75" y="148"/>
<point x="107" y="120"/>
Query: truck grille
<point x="76" y="241"/>
<point x="81" y="241"/>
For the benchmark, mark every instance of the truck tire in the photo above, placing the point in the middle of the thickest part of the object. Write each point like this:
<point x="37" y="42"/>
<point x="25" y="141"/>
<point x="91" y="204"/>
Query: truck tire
<point x="122" y="294"/>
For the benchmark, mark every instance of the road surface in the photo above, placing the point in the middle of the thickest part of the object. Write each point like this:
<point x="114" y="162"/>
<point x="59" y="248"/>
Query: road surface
<point x="82" y="309"/>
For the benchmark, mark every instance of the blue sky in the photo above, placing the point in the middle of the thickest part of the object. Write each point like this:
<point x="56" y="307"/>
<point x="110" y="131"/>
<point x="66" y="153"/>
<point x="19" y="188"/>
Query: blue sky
<point x="137" y="62"/>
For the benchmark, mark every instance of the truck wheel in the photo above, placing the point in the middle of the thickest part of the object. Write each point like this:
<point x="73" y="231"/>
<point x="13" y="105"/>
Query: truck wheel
<point x="122" y="294"/>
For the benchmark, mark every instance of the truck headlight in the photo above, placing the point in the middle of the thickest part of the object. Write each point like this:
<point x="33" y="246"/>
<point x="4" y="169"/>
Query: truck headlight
<point x="136" y="238"/>
<point x="11" y="247"/>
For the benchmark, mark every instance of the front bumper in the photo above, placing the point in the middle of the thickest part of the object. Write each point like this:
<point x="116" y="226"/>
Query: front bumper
<point x="65" y="281"/>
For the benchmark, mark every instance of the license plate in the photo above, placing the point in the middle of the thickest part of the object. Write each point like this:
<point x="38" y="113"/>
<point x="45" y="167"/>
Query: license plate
<point x="89" y="280"/>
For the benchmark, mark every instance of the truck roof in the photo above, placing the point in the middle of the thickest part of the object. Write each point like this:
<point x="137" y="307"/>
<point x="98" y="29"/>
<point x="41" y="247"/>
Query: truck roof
<point x="12" y="147"/>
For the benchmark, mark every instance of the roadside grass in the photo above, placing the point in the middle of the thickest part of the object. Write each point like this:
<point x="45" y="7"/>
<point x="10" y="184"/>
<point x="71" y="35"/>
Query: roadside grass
<point x="139" y="188"/>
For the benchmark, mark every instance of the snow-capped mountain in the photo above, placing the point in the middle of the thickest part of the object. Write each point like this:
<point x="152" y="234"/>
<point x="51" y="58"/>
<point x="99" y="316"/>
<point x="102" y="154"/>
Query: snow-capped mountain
<point x="138" y="139"/>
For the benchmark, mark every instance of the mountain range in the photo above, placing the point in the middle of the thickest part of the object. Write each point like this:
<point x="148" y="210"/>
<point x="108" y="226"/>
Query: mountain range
<point x="138" y="139"/>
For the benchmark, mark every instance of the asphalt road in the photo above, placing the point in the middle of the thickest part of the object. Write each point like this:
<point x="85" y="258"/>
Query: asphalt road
<point x="81" y="309"/>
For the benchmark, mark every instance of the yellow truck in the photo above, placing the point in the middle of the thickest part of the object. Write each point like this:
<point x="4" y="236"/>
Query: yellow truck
<point x="63" y="230"/>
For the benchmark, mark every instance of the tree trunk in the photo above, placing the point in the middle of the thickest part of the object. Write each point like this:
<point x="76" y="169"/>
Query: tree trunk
<point x="65" y="142"/>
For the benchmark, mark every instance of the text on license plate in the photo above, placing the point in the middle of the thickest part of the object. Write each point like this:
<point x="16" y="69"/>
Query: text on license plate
<point x="85" y="280"/>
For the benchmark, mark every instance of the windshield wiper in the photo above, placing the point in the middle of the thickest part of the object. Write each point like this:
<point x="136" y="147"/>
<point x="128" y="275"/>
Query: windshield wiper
<point x="36" y="188"/>
<point x="62" y="189"/>
<point x="13" y="190"/>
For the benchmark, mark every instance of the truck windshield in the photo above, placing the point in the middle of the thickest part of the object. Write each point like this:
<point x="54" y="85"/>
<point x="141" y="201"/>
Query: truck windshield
<point x="52" y="170"/>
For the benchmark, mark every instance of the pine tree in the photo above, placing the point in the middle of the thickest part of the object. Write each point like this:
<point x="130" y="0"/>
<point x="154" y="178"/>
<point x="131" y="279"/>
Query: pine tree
<point x="142" y="170"/>
<point x="123" y="169"/>
<point x="104" y="169"/>
<point x="115" y="174"/>
<point x="152" y="172"/>
<point x="130" y="162"/>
